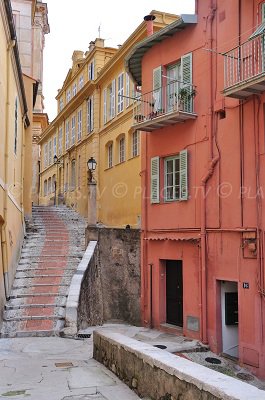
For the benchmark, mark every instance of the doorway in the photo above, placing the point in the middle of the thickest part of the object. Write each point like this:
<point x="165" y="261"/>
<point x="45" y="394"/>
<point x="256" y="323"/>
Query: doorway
<point x="229" y="312"/>
<point x="174" y="293"/>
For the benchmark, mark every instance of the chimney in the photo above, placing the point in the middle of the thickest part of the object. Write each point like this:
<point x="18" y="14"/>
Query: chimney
<point x="149" y="24"/>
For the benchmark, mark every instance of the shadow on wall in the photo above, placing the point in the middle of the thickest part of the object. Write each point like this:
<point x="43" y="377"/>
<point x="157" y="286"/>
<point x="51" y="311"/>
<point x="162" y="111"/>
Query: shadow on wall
<point x="110" y="289"/>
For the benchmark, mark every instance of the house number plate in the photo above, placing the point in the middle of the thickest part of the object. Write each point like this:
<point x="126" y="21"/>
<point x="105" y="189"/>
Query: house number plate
<point x="245" y="285"/>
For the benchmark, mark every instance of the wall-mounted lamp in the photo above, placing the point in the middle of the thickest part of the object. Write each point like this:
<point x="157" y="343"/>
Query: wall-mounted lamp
<point x="56" y="161"/>
<point x="91" y="167"/>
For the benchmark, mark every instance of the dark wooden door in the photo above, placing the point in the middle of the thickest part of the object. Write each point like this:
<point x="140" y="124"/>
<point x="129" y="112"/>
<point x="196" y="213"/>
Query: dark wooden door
<point x="174" y="292"/>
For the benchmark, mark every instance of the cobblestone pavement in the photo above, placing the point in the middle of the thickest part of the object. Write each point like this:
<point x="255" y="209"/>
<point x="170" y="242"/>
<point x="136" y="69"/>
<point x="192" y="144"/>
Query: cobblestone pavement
<point x="53" y="368"/>
<point x="53" y="246"/>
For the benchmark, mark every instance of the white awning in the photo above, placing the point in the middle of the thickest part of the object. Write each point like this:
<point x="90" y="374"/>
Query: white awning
<point x="258" y="31"/>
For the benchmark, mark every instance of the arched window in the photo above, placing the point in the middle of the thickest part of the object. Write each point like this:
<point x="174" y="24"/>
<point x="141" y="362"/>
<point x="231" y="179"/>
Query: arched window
<point x="49" y="185"/>
<point x="53" y="183"/>
<point x="73" y="175"/>
<point x="45" y="188"/>
<point x="122" y="149"/>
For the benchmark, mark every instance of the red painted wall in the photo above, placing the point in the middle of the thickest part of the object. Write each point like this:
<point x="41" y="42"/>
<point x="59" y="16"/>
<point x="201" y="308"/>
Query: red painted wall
<point x="238" y="141"/>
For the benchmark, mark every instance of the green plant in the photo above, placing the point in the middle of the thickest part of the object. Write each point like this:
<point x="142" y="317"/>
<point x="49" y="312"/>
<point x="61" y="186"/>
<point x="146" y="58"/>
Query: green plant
<point x="186" y="94"/>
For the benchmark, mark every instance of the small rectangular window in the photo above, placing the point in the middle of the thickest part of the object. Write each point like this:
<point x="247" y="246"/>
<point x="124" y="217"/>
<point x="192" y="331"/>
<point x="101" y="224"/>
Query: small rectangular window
<point x="54" y="146"/>
<point x="110" y="155"/>
<point x="60" y="141"/>
<point x="135" y="143"/>
<point x="74" y="89"/>
<point x="90" y="114"/>
<point x="81" y="82"/>
<point x="122" y="150"/>
<point x="105" y="106"/>
<point x="68" y="96"/>
<point x="61" y="104"/>
<point x="46" y="155"/>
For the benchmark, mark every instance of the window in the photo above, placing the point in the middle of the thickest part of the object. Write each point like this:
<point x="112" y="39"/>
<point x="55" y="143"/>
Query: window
<point x="54" y="146"/>
<point x="135" y="144"/>
<point x="105" y="106"/>
<point x="45" y="188"/>
<point x="53" y="183"/>
<point x="175" y="180"/>
<point x="66" y="178"/>
<point x="49" y="185"/>
<point x="127" y="83"/>
<point x="68" y="96"/>
<point x="67" y="128"/>
<point x="111" y="99"/>
<point x="60" y="141"/>
<point x="16" y="126"/>
<point x="73" y="175"/>
<point x="110" y="155"/>
<point x="81" y="82"/>
<point x="45" y="155"/>
<point x="61" y="104"/>
<point x="74" y="89"/>
<point x="91" y="73"/>
<point x="79" y="172"/>
<point x="90" y="114"/>
<point x="79" y="124"/>
<point x="122" y="150"/>
<point x="73" y="130"/>
<point x="50" y="152"/>
<point x="120" y="93"/>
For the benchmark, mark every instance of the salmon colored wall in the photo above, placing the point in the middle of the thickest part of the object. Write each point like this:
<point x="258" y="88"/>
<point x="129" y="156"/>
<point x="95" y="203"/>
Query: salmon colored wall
<point x="241" y="161"/>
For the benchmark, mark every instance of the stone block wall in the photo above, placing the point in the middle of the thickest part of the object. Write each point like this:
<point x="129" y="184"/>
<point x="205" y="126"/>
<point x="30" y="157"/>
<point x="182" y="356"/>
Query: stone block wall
<point x="111" y="286"/>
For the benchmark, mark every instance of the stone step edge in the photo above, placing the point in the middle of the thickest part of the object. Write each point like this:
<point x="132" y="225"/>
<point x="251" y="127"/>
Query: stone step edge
<point x="45" y="268"/>
<point x="27" y="295"/>
<point x="39" y="305"/>
<point x="33" y="333"/>
<point x="40" y="276"/>
<point x="34" y="317"/>
<point x="31" y="285"/>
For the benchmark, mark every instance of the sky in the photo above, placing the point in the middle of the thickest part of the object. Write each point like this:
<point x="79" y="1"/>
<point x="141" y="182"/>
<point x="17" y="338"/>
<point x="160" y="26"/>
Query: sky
<point x="73" y="24"/>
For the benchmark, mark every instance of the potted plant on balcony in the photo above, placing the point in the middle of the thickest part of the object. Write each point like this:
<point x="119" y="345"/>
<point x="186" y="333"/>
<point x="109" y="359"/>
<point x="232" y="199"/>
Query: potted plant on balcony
<point x="185" y="95"/>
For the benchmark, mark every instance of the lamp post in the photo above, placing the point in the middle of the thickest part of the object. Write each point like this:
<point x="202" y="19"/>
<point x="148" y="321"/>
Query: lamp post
<point x="56" y="162"/>
<point x="92" y="192"/>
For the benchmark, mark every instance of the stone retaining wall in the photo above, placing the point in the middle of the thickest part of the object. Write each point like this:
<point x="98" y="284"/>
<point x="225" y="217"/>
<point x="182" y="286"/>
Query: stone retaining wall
<point x="110" y="288"/>
<point x="160" y="375"/>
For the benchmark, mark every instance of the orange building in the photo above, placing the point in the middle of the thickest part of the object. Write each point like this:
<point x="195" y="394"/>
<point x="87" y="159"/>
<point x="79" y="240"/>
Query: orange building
<point x="201" y="113"/>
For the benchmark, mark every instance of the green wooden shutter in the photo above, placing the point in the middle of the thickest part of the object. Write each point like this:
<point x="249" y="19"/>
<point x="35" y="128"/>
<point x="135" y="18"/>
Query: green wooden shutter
<point x="186" y="78"/>
<point x="155" y="180"/>
<point x="263" y="12"/>
<point x="183" y="161"/>
<point x="157" y="88"/>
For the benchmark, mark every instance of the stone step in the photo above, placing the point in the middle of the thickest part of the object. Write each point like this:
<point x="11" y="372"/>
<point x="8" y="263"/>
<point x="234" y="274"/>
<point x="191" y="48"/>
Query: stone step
<point x="21" y="293"/>
<point x="28" y="306"/>
<point x="28" y="313"/>
<point x="59" y="273"/>
<point x="35" y="301"/>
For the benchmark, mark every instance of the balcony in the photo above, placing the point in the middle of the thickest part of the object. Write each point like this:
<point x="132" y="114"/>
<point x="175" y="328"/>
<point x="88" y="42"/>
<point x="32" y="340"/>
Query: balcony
<point x="167" y="105"/>
<point x="244" y="69"/>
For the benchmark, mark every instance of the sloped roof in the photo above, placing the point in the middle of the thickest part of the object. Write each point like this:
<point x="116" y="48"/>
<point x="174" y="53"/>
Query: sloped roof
<point x="133" y="61"/>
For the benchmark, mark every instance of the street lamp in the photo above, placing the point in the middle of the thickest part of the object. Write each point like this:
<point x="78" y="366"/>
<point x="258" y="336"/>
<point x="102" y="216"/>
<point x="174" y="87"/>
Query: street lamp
<point x="56" y="162"/>
<point x="91" y="166"/>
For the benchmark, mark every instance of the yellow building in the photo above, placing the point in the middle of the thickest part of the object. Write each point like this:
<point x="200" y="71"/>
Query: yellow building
<point x="94" y="120"/>
<point x="15" y="139"/>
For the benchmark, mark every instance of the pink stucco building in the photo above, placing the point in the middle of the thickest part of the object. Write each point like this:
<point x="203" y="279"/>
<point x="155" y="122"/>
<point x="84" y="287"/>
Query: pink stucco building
<point x="201" y="113"/>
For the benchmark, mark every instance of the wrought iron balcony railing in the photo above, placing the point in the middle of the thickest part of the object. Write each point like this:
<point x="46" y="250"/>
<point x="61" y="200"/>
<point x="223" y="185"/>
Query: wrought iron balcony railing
<point x="166" y="105"/>
<point x="244" y="69"/>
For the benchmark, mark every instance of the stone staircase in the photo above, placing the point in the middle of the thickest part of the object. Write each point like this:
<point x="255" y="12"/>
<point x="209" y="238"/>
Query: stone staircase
<point x="53" y="247"/>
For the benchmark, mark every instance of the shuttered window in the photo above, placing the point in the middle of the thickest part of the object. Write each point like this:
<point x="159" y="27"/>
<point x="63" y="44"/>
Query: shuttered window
<point x="79" y="124"/>
<point x="186" y="78"/>
<point x="90" y="114"/>
<point x="263" y="12"/>
<point x="127" y="83"/>
<point x="112" y="99"/>
<point x="105" y="106"/>
<point x="155" y="180"/>
<point x="120" y="92"/>
<point x="157" y="88"/>
<point x="73" y="129"/>
<point x="67" y="135"/>
<point x="176" y="177"/>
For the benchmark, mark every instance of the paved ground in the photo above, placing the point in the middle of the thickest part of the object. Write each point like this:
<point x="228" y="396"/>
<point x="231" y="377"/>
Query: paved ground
<point x="52" y="249"/>
<point x="56" y="369"/>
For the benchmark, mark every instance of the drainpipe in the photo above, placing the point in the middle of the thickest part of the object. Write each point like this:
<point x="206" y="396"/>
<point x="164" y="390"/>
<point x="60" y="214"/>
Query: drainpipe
<point x="11" y="44"/>
<point x="204" y="181"/>
<point x="149" y="24"/>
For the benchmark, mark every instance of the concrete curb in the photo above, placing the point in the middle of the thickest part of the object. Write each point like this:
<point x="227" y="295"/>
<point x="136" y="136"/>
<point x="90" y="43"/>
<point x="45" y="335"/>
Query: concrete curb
<point x="137" y="362"/>
<point x="74" y="291"/>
